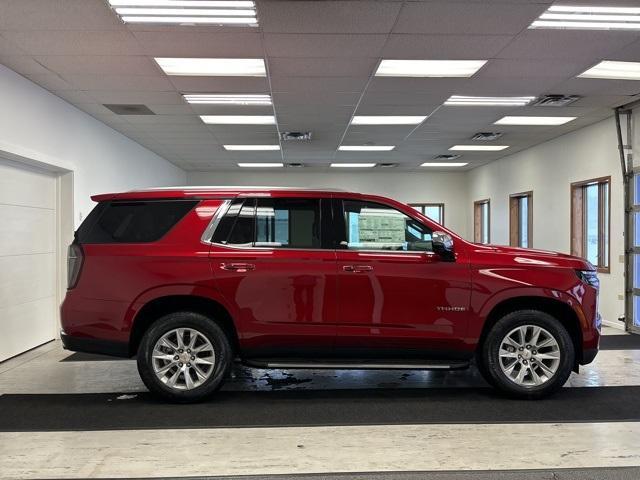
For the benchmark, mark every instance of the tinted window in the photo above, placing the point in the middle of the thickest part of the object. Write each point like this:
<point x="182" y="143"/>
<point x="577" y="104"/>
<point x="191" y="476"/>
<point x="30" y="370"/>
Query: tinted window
<point x="288" y="223"/>
<point x="132" y="222"/>
<point x="244" y="225"/>
<point x="373" y="226"/>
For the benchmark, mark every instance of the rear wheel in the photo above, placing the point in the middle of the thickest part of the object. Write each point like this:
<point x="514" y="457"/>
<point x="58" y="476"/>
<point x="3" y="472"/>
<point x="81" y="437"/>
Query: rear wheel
<point x="184" y="357"/>
<point x="528" y="354"/>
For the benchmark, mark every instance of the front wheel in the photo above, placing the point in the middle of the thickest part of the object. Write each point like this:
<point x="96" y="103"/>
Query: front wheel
<point x="184" y="357"/>
<point x="528" y="354"/>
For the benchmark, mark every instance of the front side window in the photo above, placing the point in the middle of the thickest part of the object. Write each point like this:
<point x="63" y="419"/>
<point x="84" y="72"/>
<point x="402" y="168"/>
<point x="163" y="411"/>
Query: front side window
<point x="373" y="226"/>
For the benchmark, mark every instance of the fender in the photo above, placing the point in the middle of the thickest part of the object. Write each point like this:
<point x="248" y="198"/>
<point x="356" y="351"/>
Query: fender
<point x="171" y="290"/>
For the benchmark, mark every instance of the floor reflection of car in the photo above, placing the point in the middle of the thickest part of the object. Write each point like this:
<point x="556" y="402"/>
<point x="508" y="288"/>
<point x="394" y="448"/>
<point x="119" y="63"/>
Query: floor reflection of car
<point x="189" y="279"/>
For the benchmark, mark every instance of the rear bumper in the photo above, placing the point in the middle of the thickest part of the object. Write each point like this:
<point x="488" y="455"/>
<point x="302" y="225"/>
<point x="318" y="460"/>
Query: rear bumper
<point x="94" y="345"/>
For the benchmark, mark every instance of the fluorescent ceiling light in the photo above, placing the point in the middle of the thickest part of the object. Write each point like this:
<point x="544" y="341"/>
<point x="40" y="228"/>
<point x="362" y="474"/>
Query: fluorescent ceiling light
<point x="479" y="148"/>
<point x="486" y="101"/>
<point x="227" y="99"/>
<point x="589" y="18"/>
<point x="614" y="70"/>
<point x="444" y="164"/>
<point x="261" y="165"/>
<point x="353" y="165"/>
<point x="251" y="147"/>
<point x="387" y="120"/>
<point x="366" y="148"/>
<point x="526" y="120"/>
<point x="429" y="68"/>
<point x="222" y="67"/>
<point x="191" y="20"/>
<point x="183" y="3"/>
<point x="239" y="119"/>
<point x="207" y="12"/>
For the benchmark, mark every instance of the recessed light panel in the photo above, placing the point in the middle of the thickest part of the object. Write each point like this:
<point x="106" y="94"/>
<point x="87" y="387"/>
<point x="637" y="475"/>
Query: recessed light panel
<point x="461" y="100"/>
<point x="251" y="148"/>
<point x="215" y="67"/>
<point x="186" y="12"/>
<point x="366" y="148"/>
<point x="527" y="120"/>
<point x="614" y="71"/>
<point x="443" y="164"/>
<point x="227" y="99"/>
<point x="261" y="165"/>
<point x="589" y="18"/>
<point x="353" y="165"/>
<point x="478" y="148"/>
<point x="429" y="68"/>
<point x="239" y="119"/>
<point x="387" y="120"/>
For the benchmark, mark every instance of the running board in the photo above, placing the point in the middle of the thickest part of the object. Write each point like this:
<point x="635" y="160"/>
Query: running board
<point x="355" y="364"/>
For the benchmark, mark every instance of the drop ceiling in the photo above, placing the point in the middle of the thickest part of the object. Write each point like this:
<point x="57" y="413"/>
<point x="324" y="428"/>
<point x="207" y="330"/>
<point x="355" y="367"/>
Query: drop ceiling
<point x="321" y="57"/>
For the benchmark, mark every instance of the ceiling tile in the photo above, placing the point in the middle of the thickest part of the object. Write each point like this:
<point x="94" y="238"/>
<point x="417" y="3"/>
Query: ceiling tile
<point x="23" y="64"/>
<point x="318" y="84"/>
<point x="319" y="67"/>
<point x="130" y="83"/>
<point x="200" y="44"/>
<point x="220" y="84"/>
<point x="322" y="45"/>
<point x="444" y="47"/>
<point x="50" y="81"/>
<point x="56" y="42"/>
<point x="100" y="64"/>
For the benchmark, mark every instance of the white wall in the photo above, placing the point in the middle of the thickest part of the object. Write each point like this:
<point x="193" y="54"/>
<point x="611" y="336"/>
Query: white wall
<point x="447" y="188"/>
<point x="549" y="169"/>
<point x="38" y="125"/>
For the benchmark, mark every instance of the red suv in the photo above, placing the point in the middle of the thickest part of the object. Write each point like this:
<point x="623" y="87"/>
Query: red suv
<point x="189" y="279"/>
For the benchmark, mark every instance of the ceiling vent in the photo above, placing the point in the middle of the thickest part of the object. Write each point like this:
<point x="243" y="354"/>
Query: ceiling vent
<point x="128" y="109"/>
<point x="486" y="136"/>
<point x="295" y="136"/>
<point x="387" y="165"/>
<point x="447" y="156"/>
<point x="555" y="100"/>
<point x="295" y="165"/>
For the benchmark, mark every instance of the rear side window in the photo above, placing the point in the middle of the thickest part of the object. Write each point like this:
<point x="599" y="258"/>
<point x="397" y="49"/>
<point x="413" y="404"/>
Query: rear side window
<point x="133" y="222"/>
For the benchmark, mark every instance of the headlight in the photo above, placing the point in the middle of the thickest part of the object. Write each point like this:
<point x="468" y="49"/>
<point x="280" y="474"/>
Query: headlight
<point x="590" y="277"/>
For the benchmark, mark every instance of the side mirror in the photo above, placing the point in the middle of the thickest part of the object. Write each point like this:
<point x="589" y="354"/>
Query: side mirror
<point x="443" y="245"/>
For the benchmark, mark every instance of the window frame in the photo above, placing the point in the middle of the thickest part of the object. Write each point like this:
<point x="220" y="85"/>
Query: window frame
<point x="340" y="228"/>
<point x="577" y="243"/>
<point x="477" y="226"/>
<point x="515" y="236"/>
<point x="424" y="206"/>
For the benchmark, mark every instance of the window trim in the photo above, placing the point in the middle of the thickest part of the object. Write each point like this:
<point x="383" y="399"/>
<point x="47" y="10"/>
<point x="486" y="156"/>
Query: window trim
<point x="476" y="205"/>
<point x="514" y="227"/>
<point x="580" y="185"/>
<point x="431" y="204"/>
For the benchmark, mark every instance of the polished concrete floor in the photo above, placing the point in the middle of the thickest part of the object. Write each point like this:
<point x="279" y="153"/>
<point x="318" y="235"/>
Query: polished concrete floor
<point x="69" y="416"/>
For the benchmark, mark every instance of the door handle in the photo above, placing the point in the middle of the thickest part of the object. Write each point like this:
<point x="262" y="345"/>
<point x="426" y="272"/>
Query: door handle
<point x="357" y="268"/>
<point x="238" y="267"/>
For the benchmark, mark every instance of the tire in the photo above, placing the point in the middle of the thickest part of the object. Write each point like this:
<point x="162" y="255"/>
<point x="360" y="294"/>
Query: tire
<point x="173" y="374"/>
<point x="543" y="373"/>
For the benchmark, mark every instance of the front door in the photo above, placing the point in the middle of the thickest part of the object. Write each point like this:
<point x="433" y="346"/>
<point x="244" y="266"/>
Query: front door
<point x="397" y="298"/>
<point x="269" y="262"/>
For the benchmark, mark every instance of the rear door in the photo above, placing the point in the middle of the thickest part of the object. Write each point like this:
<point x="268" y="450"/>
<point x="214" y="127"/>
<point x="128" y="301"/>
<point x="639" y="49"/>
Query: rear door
<point x="271" y="261"/>
<point x="397" y="298"/>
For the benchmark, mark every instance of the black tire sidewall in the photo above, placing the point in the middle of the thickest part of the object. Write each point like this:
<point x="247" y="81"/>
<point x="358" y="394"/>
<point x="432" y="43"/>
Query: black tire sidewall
<point x="513" y="320"/>
<point x="205" y="326"/>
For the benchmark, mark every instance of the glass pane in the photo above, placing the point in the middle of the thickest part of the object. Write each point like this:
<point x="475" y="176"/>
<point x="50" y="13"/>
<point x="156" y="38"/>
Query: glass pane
<point x="288" y="223"/>
<point x="418" y="208"/>
<point x="485" y="222"/>
<point x="243" y="229"/>
<point x="591" y="223"/>
<point x="371" y="226"/>
<point x="605" y="224"/>
<point x="434" y="212"/>
<point x="636" y="311"/>
<point x="636" y="195"/>
<point x="636" y="271"/>
<point x="523" y="228"/>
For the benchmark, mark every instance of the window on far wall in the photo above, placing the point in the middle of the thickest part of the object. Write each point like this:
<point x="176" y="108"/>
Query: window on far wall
<point x="521" y="220"/>
<point x="590" y="206"/>
<point x="481" y="221"/>
<point x="435" y="211"/>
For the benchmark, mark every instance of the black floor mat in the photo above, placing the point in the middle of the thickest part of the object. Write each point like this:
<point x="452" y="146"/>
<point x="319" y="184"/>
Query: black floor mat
<point x="308" y="408"/>
<point x="620" y="342"/>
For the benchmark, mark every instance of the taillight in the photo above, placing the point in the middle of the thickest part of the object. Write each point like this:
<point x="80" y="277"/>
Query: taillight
<point x="75" y="257"/>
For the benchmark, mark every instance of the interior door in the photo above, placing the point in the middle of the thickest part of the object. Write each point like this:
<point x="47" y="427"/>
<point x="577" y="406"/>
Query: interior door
<point x="269" y="261"/>
<point x="397" y="298"/>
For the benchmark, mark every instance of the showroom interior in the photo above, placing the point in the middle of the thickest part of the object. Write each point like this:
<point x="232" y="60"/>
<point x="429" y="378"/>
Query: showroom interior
<point x="510" y="123"/>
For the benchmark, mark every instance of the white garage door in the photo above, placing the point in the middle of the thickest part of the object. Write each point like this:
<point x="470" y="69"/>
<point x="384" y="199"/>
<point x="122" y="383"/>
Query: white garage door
<point x="28" y="279"/>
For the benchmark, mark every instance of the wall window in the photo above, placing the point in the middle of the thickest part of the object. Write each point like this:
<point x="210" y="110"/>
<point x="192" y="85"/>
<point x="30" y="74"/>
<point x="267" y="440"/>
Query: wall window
<point x="481" y="221"/>
<point x="435" y="211"/>
<point x="521" y="220"/>
<point x="373" y="226"/>
<point x="590" y="207"/>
